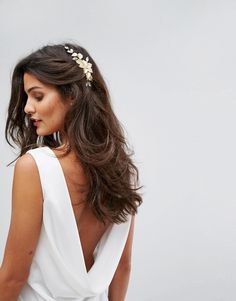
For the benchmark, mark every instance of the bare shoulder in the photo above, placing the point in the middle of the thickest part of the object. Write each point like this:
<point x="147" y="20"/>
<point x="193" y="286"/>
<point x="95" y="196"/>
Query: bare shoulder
<point x="26" y="162"/>
<point x="26" y="167"/>
<point x="26" y="220"/>
<point x="26" y="175"/>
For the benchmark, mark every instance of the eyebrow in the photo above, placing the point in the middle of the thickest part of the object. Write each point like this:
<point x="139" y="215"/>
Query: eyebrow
<point x="32" y="88"/>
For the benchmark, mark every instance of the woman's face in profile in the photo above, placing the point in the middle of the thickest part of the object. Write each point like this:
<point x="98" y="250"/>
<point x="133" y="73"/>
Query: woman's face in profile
<point x="44" y="103"/>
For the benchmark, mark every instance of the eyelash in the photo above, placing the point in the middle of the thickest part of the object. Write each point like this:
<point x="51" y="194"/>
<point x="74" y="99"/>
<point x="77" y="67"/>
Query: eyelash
<point x="39" y="98"/>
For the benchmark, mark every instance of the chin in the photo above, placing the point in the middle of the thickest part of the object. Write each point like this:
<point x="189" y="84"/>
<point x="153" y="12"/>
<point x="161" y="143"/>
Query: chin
<point x="43" y="133"/>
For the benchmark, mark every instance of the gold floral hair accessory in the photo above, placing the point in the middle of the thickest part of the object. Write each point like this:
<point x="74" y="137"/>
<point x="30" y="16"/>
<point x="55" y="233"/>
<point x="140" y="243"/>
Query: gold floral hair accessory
<point x="84" y="64"/>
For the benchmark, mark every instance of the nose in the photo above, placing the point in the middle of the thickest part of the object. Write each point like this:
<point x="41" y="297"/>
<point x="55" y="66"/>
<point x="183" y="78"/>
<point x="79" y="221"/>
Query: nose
<point x="29" y="108"/>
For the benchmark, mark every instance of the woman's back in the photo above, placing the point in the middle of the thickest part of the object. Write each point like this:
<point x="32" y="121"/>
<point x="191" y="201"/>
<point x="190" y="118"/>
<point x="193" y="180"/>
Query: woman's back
<point x="89" y="227"/>
<point x="67" y="262"/>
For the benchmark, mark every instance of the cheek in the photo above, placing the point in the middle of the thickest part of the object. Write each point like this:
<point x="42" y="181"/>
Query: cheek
<point x="46" y="109"/>
<point x="52" y="108"/>
<point x="54" y="113"/>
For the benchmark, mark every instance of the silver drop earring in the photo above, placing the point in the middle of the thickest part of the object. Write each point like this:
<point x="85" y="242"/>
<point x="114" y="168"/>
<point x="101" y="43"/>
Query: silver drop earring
<point x="39" y="141"/>
<point x="57" y="137"/>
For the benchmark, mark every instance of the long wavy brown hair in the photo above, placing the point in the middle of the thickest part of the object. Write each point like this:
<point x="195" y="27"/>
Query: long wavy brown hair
<point x="94" y="132"/>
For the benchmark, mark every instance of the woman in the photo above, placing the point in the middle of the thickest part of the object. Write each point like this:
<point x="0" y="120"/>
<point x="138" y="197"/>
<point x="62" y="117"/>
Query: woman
<point x="74" y="194"/>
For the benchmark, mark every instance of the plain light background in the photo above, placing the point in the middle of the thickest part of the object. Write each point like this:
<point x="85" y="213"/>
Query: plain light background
<point x="170" y="67"/>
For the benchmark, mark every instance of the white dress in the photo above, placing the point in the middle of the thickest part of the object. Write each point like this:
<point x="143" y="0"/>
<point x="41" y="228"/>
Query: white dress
<point x="58" y="271"/>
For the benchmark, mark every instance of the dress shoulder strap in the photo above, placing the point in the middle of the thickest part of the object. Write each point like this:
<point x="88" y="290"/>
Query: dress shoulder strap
<point x="46" y="164"/>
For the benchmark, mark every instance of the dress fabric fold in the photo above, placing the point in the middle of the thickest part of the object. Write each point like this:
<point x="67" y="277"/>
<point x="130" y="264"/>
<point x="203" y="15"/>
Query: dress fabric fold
<point x="58" y="271"/>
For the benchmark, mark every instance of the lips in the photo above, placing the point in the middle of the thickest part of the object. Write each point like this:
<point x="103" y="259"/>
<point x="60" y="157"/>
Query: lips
<point x="35" y="121"/>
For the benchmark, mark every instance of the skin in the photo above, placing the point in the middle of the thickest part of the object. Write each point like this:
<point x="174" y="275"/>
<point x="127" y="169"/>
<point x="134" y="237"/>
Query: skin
<point x="46" y="104"/>
<point x="119" y="284"/>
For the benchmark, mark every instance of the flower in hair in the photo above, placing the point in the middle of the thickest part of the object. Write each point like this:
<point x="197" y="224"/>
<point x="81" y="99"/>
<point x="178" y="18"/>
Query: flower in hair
<point x="84" y="64"/>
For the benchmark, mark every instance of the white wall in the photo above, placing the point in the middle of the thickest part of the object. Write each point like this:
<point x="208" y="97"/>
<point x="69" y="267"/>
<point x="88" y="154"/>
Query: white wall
<point x="171" y="70"/>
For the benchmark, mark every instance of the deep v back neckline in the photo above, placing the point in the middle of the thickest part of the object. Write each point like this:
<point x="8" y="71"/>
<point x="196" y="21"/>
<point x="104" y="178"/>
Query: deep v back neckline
<point x="58" y="260"/>
<point x="66" y="189"/>
<point x="64" y="176"/>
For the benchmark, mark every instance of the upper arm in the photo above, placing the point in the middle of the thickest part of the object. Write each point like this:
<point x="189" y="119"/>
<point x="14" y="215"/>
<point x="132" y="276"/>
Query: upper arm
<point x="127" y="252"/>
<point x="26" y="220"/>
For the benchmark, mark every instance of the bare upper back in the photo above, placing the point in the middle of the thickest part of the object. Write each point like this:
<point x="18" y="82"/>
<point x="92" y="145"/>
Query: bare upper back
<point x="89" y="227"/>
